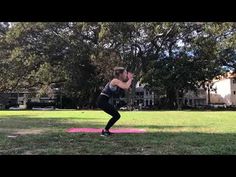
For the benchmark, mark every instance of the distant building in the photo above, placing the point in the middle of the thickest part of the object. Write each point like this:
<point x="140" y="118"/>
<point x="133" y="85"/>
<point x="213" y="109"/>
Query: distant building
<point x="195" y="99"/>
<point x="20" y="99"/>
<point x="224" y="90"/>
<point x="143" y="96"/>
<point x="13" y="99"/>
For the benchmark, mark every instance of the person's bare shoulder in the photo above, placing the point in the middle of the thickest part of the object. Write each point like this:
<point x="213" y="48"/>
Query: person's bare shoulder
<point x="115" y="82"/>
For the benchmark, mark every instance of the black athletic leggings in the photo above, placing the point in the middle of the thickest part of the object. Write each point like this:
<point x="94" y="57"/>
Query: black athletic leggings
<point x="103" y="103"/>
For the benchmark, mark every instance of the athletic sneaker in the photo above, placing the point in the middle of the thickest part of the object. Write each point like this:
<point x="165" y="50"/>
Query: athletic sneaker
<point x="106" y="133"/>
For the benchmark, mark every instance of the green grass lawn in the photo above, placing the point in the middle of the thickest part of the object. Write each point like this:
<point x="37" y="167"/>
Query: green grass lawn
<point x="167" y="132"/>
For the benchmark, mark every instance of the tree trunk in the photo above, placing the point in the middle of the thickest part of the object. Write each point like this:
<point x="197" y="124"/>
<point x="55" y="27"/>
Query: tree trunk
<point x="133" y="91"/>
<point x="209" y="95"/>
<point x="171" y="95"/>
<point x="179" y="102"/>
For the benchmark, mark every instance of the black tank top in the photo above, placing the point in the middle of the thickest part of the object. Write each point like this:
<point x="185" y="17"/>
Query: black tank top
<point x="112" y="91"/>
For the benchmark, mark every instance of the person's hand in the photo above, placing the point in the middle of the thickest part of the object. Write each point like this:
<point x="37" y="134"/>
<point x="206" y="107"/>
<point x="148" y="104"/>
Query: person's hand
<point x="130" y="75"/>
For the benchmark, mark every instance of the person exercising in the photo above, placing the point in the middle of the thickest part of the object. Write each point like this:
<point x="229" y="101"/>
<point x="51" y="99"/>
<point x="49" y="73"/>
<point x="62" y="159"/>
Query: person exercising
<point x="122" y="81"/>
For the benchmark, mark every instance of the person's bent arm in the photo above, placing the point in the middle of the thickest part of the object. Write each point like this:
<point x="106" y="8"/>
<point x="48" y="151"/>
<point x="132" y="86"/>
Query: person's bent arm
<point x="123" y="85"/>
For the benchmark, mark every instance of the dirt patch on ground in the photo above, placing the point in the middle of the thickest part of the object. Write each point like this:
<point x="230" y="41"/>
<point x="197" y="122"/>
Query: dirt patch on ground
<point x="29" y="131"/>
<point x="11" y="132"/>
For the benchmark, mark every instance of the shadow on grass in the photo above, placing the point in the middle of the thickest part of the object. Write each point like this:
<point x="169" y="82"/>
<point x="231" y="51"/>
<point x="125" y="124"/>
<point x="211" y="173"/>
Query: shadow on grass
<point x="44" y="117"/>
<point x="160" y="143"/>
<point x="54" y="140"/>
<point x="20" y="121"/>
<point x="159" y="126"/>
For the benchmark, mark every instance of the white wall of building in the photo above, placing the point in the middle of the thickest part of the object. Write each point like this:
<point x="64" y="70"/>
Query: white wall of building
<point x="222" y="93"/>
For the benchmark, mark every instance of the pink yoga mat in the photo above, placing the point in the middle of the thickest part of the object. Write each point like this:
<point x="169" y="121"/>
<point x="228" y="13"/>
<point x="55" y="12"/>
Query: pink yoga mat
<point x="98" y="130"/>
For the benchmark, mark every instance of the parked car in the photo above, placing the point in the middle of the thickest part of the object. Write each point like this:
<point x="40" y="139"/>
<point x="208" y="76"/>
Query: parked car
<point x="123" y="108"/>
<point x="219" y="105"/>
<point x="15" y="108"/>
<point x="43" y="108"/>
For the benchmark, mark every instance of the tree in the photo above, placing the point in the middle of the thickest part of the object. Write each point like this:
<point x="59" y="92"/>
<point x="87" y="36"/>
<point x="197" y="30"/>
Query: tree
<point x="45" y="54"/>
<point x="78" y="57"/>
<point x="180" y="67"/>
